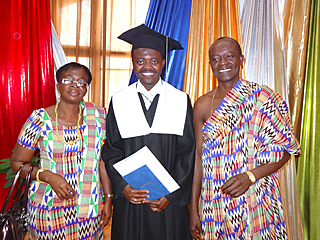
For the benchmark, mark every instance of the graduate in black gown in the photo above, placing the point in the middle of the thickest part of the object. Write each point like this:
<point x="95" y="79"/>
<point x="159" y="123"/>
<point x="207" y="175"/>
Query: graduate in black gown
<point x="150" y="113"/>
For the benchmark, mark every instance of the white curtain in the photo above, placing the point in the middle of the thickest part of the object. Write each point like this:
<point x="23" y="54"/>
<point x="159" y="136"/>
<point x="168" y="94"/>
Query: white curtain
<point x="263" y="48"/>
<point x="59" y="57"/>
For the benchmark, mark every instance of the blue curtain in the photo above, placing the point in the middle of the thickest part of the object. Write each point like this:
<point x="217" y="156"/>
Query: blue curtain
<point x="171" y="18"/>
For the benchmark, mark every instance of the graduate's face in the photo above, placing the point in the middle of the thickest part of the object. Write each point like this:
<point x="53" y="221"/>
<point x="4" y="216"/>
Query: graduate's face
<point x="147" y="65"/>
<point x="225" y="60"/>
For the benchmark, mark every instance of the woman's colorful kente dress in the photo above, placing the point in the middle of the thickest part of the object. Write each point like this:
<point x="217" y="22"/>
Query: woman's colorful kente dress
<point x="50" y="217"/>
<point x="250" y="127"/>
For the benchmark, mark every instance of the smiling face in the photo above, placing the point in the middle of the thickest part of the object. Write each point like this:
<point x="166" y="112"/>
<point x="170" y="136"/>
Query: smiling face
<point x="225" y="60"/>
<point x="147" y="65"/>
<point x="72" y="92"/>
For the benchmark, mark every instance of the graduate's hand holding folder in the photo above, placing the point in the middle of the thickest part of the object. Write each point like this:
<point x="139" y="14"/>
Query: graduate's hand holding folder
<point x="146" y="177"/>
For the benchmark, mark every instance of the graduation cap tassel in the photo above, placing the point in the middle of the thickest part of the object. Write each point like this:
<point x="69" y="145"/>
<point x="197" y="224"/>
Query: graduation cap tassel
<point x="167" y="80"/>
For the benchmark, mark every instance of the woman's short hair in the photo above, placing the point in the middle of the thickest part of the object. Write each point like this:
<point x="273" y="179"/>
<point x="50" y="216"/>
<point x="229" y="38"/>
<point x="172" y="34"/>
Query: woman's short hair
<point x="72" y="65"/>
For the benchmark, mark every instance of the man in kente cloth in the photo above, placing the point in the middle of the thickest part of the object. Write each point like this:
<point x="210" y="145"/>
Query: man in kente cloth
<point x="243" y="137"/>
<point x="150" y="113"/>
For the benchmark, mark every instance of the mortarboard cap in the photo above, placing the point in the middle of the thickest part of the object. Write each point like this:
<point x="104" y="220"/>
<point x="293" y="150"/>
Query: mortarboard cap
<point x="144" y="37"/>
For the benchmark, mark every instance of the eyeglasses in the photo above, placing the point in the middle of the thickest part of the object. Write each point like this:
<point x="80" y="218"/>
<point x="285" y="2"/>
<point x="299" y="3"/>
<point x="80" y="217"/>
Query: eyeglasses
<point x="80" y="83"/>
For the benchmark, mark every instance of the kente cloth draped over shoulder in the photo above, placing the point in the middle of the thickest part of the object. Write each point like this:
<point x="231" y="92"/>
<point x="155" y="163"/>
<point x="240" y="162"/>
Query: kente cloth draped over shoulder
<point x="171" y="140"/>
<point x="250" y="127"/>
<point x="50" y="217"/>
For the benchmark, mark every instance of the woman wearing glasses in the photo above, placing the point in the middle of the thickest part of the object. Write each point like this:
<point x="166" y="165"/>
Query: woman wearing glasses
<point x="65" y="201"/>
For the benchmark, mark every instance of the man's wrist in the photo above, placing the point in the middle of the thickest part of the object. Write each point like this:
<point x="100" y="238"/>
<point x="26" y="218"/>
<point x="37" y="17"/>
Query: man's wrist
<point x="251" y="177"/>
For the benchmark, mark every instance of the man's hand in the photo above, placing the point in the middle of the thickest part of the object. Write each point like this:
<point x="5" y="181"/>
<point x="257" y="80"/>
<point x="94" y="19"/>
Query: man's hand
<point x="135" y="196"/>
<point x="236" y="185"/>
<point x="195" y="226"/>
<point x="157" y="205"/>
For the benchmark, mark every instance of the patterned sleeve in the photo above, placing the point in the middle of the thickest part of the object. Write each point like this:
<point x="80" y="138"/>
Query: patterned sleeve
<point x="31" y="131"/>
<point x="102" y="115"/>
<point x="275" y="124"/>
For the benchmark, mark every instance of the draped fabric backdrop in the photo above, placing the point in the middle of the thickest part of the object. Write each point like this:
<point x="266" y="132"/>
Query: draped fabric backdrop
<point x="296" y="28"/>
<point x="26" y="68"/>
<point x="59" y="56"/>
<point x="209" y="21"/>
<point x="309" y="162"/>
<point x="263" y="34"/>
<point x="171" y="18"/>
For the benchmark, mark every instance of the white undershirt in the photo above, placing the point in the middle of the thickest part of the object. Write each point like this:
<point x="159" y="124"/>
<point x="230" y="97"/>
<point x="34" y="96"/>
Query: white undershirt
<point x="148" y="96"/>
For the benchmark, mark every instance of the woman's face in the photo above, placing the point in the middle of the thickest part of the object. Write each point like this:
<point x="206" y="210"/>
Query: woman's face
<point x="73" y="85"/>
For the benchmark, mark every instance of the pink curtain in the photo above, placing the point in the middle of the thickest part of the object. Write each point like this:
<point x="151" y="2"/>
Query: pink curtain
<point x="26" y="68"/>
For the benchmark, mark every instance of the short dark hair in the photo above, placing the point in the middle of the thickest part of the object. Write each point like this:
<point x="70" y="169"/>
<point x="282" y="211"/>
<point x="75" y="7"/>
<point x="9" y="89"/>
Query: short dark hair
<point x="238" y="45"/>
<point x="163" y="56"/>
<point x="73" y="65"/>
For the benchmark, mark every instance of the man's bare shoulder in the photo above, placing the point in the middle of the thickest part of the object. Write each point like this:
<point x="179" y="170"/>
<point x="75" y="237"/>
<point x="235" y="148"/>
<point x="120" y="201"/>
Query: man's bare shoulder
<point x="202" y="107"/>
<point x="204" y="100"/>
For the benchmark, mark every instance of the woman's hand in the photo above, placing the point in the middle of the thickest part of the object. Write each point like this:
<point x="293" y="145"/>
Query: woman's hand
<point x="107" y="212"/>
<point x="135" y="196"/>
<point x="157" y="205"/>
<point x="107" y="189"/>
<point x="236" y="185"/>
<point x="59" y="185"/>
<point x="195" y="226"/>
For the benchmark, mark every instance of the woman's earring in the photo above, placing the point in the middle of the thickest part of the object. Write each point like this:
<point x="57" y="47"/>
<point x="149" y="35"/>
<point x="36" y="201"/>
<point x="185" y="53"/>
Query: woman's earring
<point x="58" y="96"/>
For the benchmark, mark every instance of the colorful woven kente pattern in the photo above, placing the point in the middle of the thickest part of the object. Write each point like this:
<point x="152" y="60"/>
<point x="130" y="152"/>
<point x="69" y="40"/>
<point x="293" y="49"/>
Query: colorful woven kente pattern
<point x="77" y="163"/>
<point x="250" y="127"/>
<point x="47" y="223"/>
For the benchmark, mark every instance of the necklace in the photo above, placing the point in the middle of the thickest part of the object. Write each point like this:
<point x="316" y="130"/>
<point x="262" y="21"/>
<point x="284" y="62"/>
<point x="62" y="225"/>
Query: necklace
<point x="71" y="142"/>
<point x="214" y="94"/>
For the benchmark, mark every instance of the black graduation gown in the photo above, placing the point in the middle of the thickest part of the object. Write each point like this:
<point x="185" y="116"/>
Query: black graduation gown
<point x="176" y="154"/>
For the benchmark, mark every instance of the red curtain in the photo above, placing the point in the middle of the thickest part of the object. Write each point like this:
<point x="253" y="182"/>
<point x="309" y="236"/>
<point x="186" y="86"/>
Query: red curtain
<point x="26" y="68"/>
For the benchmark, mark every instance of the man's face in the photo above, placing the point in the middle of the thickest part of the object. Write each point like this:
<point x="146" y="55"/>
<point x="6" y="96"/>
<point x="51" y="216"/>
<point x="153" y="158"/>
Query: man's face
<point x="147" y="65"/>
<point x="225" y="60"/>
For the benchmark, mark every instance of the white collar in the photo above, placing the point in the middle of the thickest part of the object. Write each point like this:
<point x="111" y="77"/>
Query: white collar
<point x="156" y="88"/>
<point x="169" y="117"/>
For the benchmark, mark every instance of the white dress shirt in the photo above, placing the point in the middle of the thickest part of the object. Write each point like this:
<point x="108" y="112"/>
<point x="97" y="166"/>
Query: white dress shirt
<point x="148" y="96"/>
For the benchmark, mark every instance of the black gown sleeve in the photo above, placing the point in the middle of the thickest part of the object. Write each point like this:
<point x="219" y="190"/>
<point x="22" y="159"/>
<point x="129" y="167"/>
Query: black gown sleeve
<point x="182" y="168"/>
<point x="112" y="153"/>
